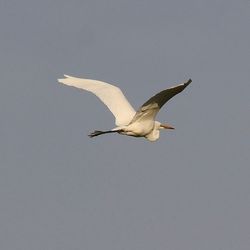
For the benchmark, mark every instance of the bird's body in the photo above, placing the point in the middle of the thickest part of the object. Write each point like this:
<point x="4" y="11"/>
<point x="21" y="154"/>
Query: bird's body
<point x="138" y="129"/>
<point x="129" y="122"/>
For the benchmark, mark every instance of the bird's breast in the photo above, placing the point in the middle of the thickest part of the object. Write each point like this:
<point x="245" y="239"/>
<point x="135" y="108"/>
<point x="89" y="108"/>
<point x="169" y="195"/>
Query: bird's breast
<point x="139" y="128"/>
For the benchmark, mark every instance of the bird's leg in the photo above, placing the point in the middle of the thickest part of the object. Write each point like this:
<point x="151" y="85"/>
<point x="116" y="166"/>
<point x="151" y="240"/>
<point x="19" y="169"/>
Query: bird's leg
<point x="98" y="132"/>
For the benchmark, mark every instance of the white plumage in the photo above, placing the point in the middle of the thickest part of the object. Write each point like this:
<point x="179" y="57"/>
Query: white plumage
<point x="129" y="122"/>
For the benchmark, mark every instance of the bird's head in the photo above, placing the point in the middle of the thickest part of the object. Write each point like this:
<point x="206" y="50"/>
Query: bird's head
<point x="165" y="126"/>
<point x="159" y="126"/>
<point x="155" y="134"/>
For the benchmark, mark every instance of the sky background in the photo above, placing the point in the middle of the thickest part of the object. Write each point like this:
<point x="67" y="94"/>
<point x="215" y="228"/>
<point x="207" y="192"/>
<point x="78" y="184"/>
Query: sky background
<point x="60" y="189"/>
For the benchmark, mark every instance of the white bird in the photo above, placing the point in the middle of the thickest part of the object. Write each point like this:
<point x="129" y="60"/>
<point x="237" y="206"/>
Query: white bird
<point x="129" y="122"/>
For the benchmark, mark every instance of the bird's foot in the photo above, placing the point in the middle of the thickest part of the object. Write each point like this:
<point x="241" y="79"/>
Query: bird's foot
<point x="96" y="133"/>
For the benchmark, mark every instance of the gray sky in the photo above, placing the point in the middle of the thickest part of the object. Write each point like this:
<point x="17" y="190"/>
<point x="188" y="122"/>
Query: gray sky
<point x="61" y="190"/>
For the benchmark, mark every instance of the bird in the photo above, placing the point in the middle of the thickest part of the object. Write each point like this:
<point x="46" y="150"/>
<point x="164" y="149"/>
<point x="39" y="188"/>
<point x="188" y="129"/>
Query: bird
<point x="140" y="123"/>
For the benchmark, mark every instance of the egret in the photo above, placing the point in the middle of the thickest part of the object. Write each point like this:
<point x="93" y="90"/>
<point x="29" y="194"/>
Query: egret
<point x="140" y="123"/>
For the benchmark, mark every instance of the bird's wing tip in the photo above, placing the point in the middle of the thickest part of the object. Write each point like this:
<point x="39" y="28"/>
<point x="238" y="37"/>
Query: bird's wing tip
<point x="67" y="76"/>
<point x="62" y="80"/>
<point x="184" y="84"/>
<point x="187" y="82"/>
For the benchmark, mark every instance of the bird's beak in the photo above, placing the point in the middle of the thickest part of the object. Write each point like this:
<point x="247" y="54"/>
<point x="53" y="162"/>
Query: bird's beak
<point x="166" y="126"/>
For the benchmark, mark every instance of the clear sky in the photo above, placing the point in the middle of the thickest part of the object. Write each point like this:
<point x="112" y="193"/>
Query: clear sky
<point x="60" y="189"/>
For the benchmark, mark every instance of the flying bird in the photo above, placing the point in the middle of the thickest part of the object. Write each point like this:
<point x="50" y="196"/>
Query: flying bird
<point x="140" y="123"/>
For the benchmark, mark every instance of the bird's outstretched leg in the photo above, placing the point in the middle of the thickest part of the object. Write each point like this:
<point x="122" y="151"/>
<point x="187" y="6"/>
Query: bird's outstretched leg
<point x="98" y="132"/>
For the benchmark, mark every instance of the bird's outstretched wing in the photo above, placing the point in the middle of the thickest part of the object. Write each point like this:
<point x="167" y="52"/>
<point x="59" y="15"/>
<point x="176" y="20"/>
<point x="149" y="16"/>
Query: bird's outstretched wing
<point x="151" y="107"/>
<point x="109" y="94"/>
